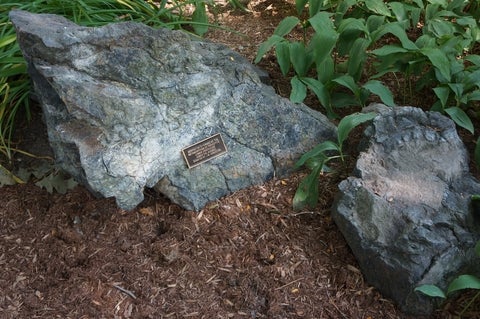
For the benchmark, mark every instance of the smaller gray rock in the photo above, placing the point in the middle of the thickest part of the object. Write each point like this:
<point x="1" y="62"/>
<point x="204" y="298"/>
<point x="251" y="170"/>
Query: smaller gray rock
<point x="405" y="212"/>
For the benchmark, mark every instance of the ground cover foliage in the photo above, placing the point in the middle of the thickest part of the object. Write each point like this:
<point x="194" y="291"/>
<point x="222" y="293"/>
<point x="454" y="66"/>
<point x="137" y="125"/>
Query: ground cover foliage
<point x="343" y="53"/>
<point x="253" y="232"/>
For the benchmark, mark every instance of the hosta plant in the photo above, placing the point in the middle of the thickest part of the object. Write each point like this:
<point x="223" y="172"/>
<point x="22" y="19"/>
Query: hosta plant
<point x="347" y="45"/>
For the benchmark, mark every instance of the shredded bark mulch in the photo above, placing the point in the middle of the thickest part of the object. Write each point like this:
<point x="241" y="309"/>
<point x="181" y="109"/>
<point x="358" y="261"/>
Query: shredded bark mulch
<point x="248" y="255"/>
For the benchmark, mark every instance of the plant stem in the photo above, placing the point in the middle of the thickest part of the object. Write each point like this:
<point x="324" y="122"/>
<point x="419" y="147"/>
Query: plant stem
<point x="469" y="304"/>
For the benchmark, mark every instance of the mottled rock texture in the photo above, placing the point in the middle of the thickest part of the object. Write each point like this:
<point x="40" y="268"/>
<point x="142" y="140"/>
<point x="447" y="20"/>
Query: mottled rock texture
<point x="405" y="212"/>
<point x="122" y="101"/>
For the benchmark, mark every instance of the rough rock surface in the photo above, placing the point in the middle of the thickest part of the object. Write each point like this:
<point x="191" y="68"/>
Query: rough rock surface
<point x="405" y="212"/>
<point x="122" y="101"/>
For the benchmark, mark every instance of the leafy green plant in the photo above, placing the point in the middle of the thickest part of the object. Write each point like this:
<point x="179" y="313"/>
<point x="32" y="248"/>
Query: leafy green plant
<point x="14" y="81"/>
<point x="440" y="57"/>
<point x="462" y="282"/>
<point x="341" y="37"/>
<point x="317" y="158"/>
<point x="330" y="62"/>
<point x="430" y="42"/>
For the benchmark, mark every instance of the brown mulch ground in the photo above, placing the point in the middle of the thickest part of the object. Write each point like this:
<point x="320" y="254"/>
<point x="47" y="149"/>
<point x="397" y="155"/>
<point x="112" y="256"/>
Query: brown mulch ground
<point x="248" y="255"/>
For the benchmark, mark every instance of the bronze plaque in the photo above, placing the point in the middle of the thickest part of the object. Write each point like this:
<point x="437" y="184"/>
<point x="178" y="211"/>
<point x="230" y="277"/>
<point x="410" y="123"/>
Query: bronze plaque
<point x="204" y="150"/>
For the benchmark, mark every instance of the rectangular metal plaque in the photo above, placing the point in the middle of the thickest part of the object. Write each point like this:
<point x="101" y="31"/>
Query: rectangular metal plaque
<point x="204" y="150"/>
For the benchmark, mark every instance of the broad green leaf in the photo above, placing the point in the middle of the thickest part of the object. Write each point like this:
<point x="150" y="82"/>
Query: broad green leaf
<point x="457" y="70"/>
<point x="314" y="162"/>
<point x="474" y="96"/>
<point x="322" y="94"/>
<point x="471" y="79"/>
<point x="374" y="22"/>
<point x="341" y="99"/>
<point x="477" y="246"/>
<point x="357" y="59"/>
<point x="349" y="122"/>
<point x="442" y="93"/>
<point x="419" y="3"/>
<point x="321" y="22"/>
<point x="348" y="82"/>
<point x="441" y="3"/>
<point x="352" y="24"/>
<point x="377" y="88"/>
<point x="440" y="27"/>
<point x="307" y="192"/>
<point x="378" y="6"/>
<point x="316" y="151"/>
<point x="454" y="5"/>
<point x="399" y="11"/>
<point x="300" y="5"/>
<point x="325" y="38"/>
<point x="457" y="88"/>
<point x="326" y="70"/>
<point x="267" y="45"/>
<point x="200" y="15"/>
<point x="439" y="60"/>
<point x="299" y="90"/>
<point x="466" y="21"/>
<point x="430" y="11"/>
<point x="476" y="157"/>
<point x="299" y="58"/>
<point x="426" y="41"/>
<point x="415" y="14"/>
<point x="344" y="6"/>
<point x="363" y="96"/>
<point x="464" y="282"/>
<point x="460" y="118"/>
<point x="388" y="49"/>
<point x="437" y="107"/>
<point x="397" y="30"/>
<point x="431" y="291"/>
<point x="282" y="52"/>
<point x="322" y="45"/>
<point x="384" y="69"/>
<point x="286" y="25"/>
<point x="314" y="7"/>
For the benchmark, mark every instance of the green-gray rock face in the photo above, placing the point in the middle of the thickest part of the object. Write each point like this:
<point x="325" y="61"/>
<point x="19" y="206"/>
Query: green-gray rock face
<point x="122" y="101"/>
